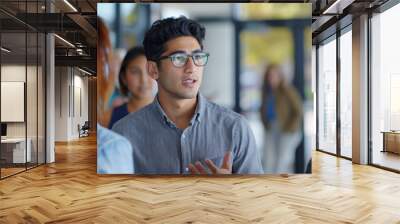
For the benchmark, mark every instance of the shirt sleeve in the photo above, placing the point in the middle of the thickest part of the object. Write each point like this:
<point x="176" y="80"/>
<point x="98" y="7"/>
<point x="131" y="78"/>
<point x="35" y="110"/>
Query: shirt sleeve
<point x="246" y="157"/>
<point x="115" y="157"/>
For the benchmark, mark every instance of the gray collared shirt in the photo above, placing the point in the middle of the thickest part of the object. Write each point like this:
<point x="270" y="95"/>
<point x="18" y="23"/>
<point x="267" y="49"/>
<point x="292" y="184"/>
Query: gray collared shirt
<point x="159" y="147"/>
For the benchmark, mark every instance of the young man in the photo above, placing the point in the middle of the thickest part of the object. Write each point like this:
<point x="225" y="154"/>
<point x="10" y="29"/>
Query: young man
<point x="181" y="132"/>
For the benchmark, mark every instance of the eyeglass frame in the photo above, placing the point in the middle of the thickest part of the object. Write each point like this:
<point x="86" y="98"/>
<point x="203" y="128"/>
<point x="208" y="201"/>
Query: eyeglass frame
<point x="170" y="56"/>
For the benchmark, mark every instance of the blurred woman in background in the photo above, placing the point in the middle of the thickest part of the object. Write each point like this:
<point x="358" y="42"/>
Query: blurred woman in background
<point x="281" y="114"/>
<point x="135" y="84"/>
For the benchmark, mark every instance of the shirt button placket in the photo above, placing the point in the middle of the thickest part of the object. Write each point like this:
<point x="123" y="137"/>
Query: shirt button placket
<point x="185" y="151"/>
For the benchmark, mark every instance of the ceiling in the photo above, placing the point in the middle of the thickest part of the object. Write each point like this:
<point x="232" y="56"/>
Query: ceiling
<point x="328" y="15"/>
<point x="22" y="20"/>
<point x="79" y="27"/>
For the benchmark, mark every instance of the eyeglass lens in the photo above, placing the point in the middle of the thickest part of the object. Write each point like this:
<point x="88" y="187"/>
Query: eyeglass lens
<point x="199" y="59"/>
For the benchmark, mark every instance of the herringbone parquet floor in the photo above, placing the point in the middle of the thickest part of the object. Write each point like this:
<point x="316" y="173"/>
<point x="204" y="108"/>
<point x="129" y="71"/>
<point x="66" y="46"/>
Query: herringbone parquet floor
<point x="70" y="191"/>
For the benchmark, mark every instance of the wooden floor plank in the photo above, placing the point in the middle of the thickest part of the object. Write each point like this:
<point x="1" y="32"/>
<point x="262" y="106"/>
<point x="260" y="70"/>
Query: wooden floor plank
<point x="70" y="191"/>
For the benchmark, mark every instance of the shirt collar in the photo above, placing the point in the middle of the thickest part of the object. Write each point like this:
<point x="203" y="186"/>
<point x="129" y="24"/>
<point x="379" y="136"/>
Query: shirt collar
<point x="200" y="108"/>
<point x="159" y="109"/>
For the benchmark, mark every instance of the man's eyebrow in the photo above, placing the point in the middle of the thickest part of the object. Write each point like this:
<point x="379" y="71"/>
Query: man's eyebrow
<point x="184" y="52"/>
<point x="175" y="52"/>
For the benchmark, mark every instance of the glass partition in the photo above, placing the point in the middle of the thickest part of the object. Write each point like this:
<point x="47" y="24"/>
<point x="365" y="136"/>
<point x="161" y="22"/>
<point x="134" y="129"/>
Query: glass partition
<point x="22" y="88"/>
<point x="13" y="94"/>
<point x="31" y="98"/>
<point x="41" y="109"/>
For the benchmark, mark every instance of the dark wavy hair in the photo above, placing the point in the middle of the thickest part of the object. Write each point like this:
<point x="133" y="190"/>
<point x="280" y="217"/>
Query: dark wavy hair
<point x="130" y="55"/>
<point x="166" y="29"/>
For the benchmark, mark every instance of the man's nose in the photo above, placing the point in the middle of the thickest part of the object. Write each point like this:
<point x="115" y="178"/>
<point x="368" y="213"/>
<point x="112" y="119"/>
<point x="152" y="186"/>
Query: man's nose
<point x="189" y="66"/>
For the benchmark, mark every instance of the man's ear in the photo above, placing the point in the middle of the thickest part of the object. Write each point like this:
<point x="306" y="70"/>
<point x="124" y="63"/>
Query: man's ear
<point x="152" y="69"/>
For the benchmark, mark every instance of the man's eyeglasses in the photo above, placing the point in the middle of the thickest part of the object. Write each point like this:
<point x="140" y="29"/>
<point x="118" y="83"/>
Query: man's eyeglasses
<point x="180" y="59"/>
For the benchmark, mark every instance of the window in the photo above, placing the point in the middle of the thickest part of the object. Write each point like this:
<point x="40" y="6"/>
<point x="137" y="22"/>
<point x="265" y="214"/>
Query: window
<point x="385" y="88"/>
<point x="327" y="96"/>
<point x="346" y="93"/>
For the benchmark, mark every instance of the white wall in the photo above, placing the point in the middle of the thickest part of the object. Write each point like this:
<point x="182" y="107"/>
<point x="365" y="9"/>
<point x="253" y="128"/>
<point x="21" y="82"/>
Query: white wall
<point x="12" y="73"/>
<point x="61" y="103"/>
<point x="219" y="75"/>
<point x="79" y="117"/>
<point x="69" y="85"/>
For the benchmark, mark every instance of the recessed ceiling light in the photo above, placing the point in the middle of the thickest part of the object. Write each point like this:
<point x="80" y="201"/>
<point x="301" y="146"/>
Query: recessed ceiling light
<point x="337" y="7"/>
<point x="65" y="41"/>
<point x="5" y="49"/>
<point x="86" y="72"/>
<point x="70" y="5"/>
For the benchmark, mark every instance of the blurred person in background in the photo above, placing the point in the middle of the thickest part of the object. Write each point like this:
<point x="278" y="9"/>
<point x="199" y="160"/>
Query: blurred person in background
<point x="114" y="152"/>
<point x="281" y="114"/>
<point x="135" y="84"/>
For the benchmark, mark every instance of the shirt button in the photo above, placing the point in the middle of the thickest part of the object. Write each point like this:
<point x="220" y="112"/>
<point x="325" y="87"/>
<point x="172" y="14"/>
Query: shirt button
<point x="183" y="136"/>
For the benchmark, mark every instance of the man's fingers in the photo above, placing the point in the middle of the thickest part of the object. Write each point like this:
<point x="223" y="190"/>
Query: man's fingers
<point x="226" y="167"/>
<point x="193" y="169"/>
<point x="200" y="168"/>
<point x="212" y="166"/>
<point x="226" y="164"/>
